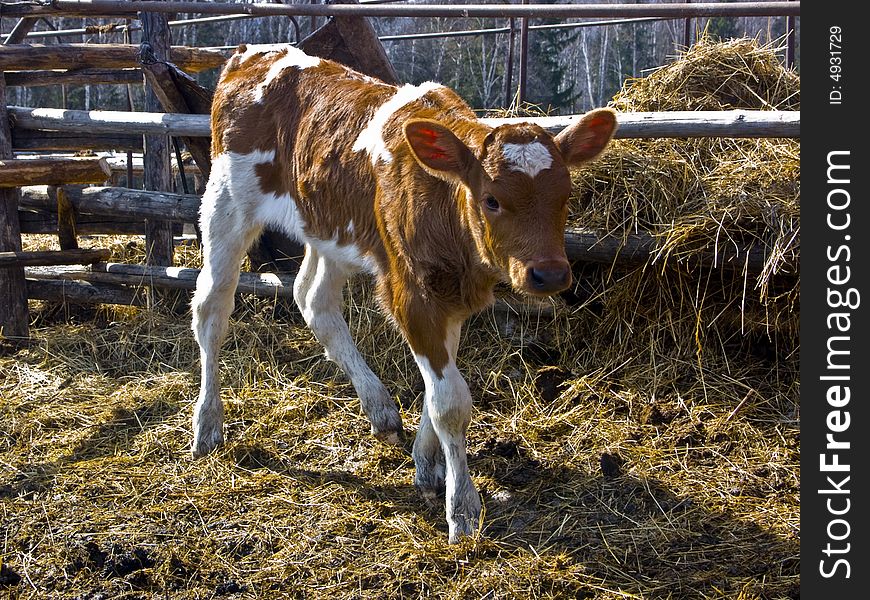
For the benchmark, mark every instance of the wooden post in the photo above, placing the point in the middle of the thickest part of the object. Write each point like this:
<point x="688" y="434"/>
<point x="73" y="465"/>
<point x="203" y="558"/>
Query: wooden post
<point x="158" y="175"/>
<point x="21" y="29"/>
<point x="163" y="80"/>
<point x="14" y="316"/>
<point x="66" y="219"/>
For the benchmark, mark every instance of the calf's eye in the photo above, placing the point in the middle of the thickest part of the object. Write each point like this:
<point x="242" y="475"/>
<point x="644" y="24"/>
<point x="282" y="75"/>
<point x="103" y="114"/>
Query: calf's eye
<point x="491" y="203"/>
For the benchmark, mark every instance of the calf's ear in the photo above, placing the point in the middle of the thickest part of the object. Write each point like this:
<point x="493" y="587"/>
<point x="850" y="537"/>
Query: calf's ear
<point x="438" y="150"/>
<point x="585" y="139"/>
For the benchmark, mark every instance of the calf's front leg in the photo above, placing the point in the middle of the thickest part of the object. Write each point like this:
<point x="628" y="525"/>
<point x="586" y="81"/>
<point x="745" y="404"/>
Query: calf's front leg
<point x="447" y="413"/>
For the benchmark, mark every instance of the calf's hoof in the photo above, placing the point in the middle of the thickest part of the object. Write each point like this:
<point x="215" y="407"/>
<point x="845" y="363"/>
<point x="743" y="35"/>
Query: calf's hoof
<point x="392" y="437"/>
<point x="464" y="519"/>
<point x="462" y="526"/>
<point x="387" y="425"/>
<point x="204" y="443"/>
<point x="429" y="481"/>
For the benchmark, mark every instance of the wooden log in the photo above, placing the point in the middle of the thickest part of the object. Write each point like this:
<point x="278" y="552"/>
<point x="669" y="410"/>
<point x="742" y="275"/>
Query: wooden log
<point x="66" y="219"/>
<point x="23" y="57"/>
<point x="44" y="222"/>
<point x="260" y="284"/>
<point x="352" y="41"/>
<point x="53" y="257"/>
<point x="686" y="124"/>
<point x="163" y="78"/>
<point x="74" y="77"/>
<point x="155" y="47"/>
<point x="585" y="245"/>
<point x="82" y="292"/>
<point x="109" y="121"/>
<point x="132" y="204"/>
<point x="20" y="31"/>
<point x="580" y="244"/>
<point x="58" y="141"/>
<point x="14" y="316"/>
<point x="676" y="124"/>
<point x="638" y="248"/>
<point x="118" y="164"/>
<point x="53" y="171"/>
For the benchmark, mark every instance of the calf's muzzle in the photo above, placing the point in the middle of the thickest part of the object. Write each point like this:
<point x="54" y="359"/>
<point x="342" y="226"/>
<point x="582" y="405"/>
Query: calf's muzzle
<point x="545" y="277"/>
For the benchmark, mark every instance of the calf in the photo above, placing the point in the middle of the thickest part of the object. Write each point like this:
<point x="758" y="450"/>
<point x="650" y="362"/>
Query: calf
<point x="404" y="183"/>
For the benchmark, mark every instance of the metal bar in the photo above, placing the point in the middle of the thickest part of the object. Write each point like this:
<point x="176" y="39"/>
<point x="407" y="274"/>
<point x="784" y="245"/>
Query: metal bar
<point x="509" y="67"/>
<point x="790" y="27"/>
<point x="500" y="30"/>
<point x="687" y="33"/>
<point x="12" y="8"/>
<point x="386" y="38"/>
<point x="120" y="27"/>
<point x="524" y="56"/>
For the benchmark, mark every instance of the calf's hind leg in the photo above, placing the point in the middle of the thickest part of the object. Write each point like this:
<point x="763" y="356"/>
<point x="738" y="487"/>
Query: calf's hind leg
<point x="318" y="294"/>
<point x="226" y="236"/>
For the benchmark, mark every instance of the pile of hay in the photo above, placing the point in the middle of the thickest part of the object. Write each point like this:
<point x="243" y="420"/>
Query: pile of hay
<point x="702" y="196"/>
<point x="638" y="438"/>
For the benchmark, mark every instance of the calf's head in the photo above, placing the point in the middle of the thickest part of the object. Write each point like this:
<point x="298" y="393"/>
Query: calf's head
<point x="516" y="186"/>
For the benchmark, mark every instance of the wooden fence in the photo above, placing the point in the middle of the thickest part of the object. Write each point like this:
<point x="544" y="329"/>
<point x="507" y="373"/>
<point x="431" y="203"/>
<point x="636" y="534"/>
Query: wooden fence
<point x="45" y="193"/>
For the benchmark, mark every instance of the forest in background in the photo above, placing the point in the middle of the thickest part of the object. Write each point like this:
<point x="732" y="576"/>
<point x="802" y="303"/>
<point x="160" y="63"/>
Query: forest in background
<point x="569" y="70"/>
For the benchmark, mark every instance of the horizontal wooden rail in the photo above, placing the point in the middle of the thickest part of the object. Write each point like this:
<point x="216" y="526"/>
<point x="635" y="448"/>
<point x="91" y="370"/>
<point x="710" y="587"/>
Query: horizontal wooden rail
<point x="580" y="244"/>
<point x="259" y="284"/>
<point x="20" y="57"/>
<point x="687" y="124"/>
<point x="46" y="222"/>
<point x="118" y="162"/>
<point x="638" y="248"/>
<point x="679" y="124"/>
<point x="53" y="257"/>
<point x="109" y="8"/>
<point x="73" y="77"/>
<point x="35" y="140"/>
<point x="130" y="203"/>
<point x="83" y="292"/>
<point x="109" y="121"/>
<point x="53" y="171"/>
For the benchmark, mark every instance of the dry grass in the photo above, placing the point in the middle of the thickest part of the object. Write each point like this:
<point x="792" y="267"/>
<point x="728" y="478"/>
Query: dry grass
<point x="638" y="441"/>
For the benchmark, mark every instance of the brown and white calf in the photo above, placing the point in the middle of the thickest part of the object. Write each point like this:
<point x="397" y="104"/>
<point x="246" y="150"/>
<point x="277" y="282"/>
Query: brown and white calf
<point x="404" y="183"/>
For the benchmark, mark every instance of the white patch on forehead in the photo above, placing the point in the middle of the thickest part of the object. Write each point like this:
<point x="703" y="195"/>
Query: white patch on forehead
<point x="371" y="139"/>
<point x="530" y="158"/>
<point x="293" y="57"/>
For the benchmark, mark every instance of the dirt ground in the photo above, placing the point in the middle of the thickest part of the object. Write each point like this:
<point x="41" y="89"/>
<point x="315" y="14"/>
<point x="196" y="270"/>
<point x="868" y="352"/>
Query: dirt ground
<point x="600" y="479"/>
